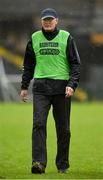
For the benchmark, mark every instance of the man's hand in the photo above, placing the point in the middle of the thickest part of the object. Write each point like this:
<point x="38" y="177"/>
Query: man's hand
<point x="24" y="95"/>
<point x="69" y="91"/>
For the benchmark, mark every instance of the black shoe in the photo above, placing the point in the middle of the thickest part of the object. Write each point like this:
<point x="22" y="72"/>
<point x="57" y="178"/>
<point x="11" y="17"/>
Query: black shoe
<point x="37" y="168"/>
<point x="62" y="171"/>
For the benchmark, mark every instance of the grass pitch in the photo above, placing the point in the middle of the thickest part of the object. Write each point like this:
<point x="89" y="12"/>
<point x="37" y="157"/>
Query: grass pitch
<point x="86" y="150"/>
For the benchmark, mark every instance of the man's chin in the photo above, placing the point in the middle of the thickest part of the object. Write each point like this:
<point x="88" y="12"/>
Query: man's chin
<point x="48" y="29"/>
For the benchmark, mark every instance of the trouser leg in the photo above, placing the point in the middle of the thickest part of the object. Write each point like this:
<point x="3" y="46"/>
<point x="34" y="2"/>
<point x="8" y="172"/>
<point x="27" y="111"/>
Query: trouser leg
<point x="41" y="106"/>
<point x="61" y="113"/>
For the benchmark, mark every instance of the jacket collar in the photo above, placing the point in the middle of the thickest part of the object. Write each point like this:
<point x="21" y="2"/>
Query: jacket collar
<point x="50" y="35"/>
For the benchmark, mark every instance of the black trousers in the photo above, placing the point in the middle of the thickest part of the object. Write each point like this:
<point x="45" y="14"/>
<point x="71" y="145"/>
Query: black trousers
<point x="61" y="114"/>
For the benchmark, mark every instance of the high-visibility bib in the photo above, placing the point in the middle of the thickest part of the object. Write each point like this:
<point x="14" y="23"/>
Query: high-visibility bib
<point x="51" y="60"/>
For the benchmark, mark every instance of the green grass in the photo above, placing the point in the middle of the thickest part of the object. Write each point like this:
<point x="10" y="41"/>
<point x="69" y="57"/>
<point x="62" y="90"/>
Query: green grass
<point x="86" y="151"/>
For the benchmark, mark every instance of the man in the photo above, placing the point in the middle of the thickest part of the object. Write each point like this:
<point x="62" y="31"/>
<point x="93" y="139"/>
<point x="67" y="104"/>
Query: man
<point x="51" y="58"/>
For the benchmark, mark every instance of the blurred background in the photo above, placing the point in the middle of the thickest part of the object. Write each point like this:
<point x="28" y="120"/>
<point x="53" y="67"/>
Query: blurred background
<point x="83" y="19"/>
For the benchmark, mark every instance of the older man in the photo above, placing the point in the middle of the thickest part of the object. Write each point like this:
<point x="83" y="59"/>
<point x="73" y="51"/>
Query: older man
<point x="52" y="59"/>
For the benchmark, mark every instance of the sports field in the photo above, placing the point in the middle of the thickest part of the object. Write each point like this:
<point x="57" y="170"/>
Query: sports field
<point x="86" y="152"/>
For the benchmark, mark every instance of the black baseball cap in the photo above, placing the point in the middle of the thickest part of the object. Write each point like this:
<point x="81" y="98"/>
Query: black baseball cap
<point x="49" y="12"/>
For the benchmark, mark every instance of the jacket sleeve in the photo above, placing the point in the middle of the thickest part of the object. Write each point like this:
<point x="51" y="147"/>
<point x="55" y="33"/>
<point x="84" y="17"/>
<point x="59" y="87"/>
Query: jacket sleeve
<point x="74" y="62"/>
<point x="28" y="66"/>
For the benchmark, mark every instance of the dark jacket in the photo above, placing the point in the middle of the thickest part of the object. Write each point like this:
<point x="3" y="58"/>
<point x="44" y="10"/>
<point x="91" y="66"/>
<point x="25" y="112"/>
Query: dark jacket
<point x="45" y="85"/>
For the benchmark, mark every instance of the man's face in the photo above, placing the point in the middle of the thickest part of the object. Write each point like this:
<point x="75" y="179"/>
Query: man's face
<point x="49" y="23"/>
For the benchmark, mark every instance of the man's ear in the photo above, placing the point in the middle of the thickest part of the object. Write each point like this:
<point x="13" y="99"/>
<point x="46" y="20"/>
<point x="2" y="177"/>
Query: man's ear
<point x="56" y="20"/>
